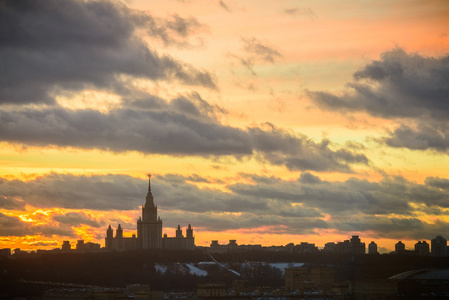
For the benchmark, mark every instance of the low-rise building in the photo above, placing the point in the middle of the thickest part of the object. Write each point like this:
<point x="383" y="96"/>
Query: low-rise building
<point x="211" y="291"/>
<point x="5" y="252"/>
<point x="374" y="289"/>
<point x="303" y="280"/>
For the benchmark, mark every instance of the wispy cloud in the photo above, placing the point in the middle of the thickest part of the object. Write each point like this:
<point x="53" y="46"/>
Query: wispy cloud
<point x="301" y="11"/>
<point x="255" y="51"/>
<point x="224" y="5"/>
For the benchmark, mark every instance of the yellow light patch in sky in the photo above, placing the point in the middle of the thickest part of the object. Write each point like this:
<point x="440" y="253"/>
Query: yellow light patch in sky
<point x="89" y="99"/>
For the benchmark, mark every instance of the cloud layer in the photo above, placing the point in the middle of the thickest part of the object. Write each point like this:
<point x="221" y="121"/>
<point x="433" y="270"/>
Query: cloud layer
<point x="391" y="208"/>
<point x="184" y="126"/>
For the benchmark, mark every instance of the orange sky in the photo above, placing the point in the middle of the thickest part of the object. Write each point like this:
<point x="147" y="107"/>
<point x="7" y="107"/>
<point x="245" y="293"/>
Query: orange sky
<point x="262" y="121"/>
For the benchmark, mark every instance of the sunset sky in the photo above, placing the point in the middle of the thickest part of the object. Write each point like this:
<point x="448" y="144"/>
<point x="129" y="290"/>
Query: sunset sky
<point x="268" y="122"/>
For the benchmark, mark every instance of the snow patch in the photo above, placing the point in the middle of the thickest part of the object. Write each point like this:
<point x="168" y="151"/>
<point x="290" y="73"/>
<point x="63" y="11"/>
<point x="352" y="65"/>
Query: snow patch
<point x="196" y="271"/>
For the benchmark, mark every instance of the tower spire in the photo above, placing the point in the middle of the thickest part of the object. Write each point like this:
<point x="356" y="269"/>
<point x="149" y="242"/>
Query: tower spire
<point x="149" y="200"/>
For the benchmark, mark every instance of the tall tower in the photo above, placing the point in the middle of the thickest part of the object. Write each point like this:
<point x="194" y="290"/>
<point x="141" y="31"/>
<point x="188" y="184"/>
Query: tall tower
<point x="179" y="232"/>
<point x="109" y="238"/>
<point x="119" y="232"/>
<point x="118" y="243"/>
<point x="190" y="240"/>
<point x="189" y="232"/>
<point x="149" y="226"/>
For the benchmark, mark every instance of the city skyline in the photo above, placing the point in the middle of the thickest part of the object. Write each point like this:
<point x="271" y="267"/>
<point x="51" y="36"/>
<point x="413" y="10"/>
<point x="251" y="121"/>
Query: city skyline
<point x="265" y="122"/>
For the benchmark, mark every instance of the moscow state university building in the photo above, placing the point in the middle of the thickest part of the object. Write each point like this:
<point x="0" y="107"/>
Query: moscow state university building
<point x="149" y="232"/>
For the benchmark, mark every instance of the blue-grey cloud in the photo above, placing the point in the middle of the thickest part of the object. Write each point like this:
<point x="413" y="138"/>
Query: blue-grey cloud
<point x="425" y="134"/>
<point x="398" y="85"/>
<point x="46" y="46"/>
<point x="76" y="219"/>
<point x="187" y="125"/>
<point x="298" y="152"/>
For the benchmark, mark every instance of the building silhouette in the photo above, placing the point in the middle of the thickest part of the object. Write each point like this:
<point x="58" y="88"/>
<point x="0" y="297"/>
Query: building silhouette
<point x="66" y="247"/>
<point x="372" y="248"/>
<point x="353" y="246"/>
<point x="422" y="248"/>
<point x="307" y="280"/>
<point x="399" y="247"/>
<point x="149" y="226"/>
<point x="149" y="232"/>
<point x="439" y="246"/>
<point x="119" y="242"/>
<point x="356" y="246"/>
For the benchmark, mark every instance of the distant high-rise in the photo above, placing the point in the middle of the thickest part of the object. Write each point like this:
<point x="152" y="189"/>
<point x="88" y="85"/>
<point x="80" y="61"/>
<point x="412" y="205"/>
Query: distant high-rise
<point x="80" y="246"/>
<point x="439" y="246"/>
<point x="66" y="247"/>
<point x="399" y="247"/>
<point x="353" y="246"/>
<point x="422" y="248"/>
<point x="372" y="248"/>
<point x="356" y="246"/>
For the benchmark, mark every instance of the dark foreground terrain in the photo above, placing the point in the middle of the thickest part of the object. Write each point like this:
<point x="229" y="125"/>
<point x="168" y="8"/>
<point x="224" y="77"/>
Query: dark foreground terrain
<point x="30" y="275"/>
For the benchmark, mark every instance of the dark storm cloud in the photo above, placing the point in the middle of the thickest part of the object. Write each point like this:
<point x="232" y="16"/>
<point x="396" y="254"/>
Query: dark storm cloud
<point x="404" y="87"/>
<point x="50" y="45"/>
<point x="187" y="125"/>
